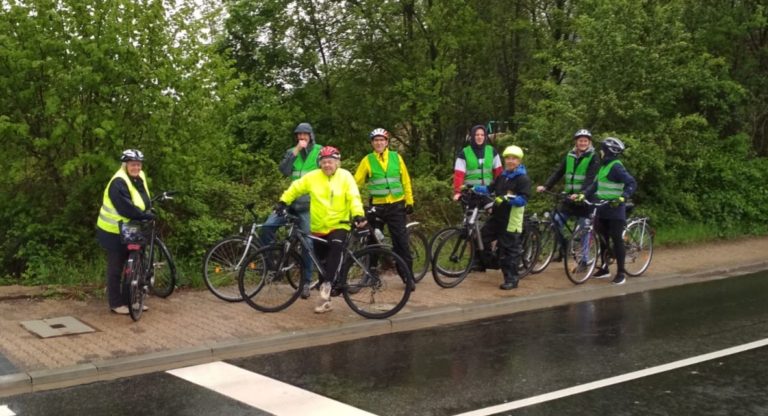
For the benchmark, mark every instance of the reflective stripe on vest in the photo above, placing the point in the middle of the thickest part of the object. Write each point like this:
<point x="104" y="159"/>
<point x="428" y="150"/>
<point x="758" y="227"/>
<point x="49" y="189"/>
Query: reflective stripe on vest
<point x="607" y="189"/>
<point x="302" y="167"/>
<point x="477" y="174"/>
<point x="384" y="183"/>
<point x="575" y="175"/>
<point x="108" y="216"/>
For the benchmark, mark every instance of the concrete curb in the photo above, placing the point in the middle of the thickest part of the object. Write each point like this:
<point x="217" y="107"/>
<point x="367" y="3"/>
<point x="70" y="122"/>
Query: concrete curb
<point x="160" y="361"/>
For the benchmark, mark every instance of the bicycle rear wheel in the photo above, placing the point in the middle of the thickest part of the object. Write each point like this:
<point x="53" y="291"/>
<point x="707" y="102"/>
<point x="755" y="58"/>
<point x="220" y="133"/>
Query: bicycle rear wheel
<point x="547" y="247"/>
<point x="134" y="270"/>
<point x="581" y="256"/>
<point x="272" y="279"/>
<point x="638" y="243"/>
<point x="531" y="245"/>
<point x="453" y="258"/>
<point x="163" y="270"/>
<point x="221" y="266"/>
<point x="378" y="291"/>
<point x="419" y="247"/>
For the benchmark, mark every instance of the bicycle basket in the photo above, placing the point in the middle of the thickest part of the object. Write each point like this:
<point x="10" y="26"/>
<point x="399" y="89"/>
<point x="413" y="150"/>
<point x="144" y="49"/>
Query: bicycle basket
<point x="133" y="233"/>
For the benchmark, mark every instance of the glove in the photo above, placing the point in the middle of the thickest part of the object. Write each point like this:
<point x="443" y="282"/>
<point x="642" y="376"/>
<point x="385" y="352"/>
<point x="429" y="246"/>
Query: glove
<point x="280" y="208"/>
<point x="408" y="209"/>
<point x="358" y="219"/>
<point x="480" y="189"/>
<point x="616" y="202"/>
<point x="504" y="199"/>
<point x="580" y="198"/>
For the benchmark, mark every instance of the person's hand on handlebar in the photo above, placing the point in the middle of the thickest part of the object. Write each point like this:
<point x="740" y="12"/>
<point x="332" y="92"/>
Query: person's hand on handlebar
<point x="541" y="188"/>
<point x="360" y="221"/>
<point x="280" y="208"/>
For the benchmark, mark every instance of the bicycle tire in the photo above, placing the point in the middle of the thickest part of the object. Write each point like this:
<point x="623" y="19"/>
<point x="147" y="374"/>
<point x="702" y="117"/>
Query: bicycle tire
<point x="136" y="291"/>
<point x="548" y="246"/>
<point x="163" y="270"/>
<point x="453" y="259"/>
<point x="220" y="267"/>
<point x="419" y="247"/>
<point x="581" y="256"/>
<point x="376" y="292"/>
<point x="272" y="281"/>
<point x="531" y="246"/>
<point x="439" y="236"/>
<point x="638" y="242"/>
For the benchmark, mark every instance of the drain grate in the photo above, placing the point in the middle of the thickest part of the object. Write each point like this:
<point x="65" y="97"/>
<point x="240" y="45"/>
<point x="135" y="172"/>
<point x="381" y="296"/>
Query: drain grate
<point x="56" y="327"/>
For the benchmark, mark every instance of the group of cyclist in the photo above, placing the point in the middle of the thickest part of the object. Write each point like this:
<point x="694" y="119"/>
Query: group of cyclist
<point x="325" y="197"/>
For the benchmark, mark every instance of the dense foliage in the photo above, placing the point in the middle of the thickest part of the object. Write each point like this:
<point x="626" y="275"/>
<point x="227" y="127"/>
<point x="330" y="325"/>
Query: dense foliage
<point x="211" y="91"/>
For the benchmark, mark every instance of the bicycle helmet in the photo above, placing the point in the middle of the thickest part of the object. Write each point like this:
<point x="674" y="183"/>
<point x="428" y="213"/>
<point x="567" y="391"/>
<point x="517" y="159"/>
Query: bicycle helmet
<point x="132" y="154"/>
<point x="582" y="133"/>
<point x="515" y="151"/>
<point x="613" y="146"/>
<point x="329" y="151"/>
<point x="379" y="132"/>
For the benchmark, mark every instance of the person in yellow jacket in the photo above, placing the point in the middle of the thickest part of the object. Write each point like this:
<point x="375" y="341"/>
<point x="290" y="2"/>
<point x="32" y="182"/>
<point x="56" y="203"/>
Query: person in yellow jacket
<point x="334" y="199"/>
<point x="386" y="177"/>
<point x="125" y="198"/>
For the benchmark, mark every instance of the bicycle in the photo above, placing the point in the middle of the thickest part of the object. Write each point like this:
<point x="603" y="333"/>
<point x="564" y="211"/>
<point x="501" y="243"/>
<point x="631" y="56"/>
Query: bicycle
<point x="549" y="225"/>
<point x="374" y="281"/>
<point x="454" y="256"/>
<point x="585" y="245"/>
<point x="149" y="267"/>
<point x="223" y="261"/>
<point x="417" y="243"/>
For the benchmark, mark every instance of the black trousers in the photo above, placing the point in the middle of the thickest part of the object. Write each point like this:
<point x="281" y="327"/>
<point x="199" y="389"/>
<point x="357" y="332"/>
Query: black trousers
<point x="510" y="250"/>
<point x="331" y="252"/>
<point x="612" y="230"/>
<point x="393" y="215"/>
<point x="117" y="255"/>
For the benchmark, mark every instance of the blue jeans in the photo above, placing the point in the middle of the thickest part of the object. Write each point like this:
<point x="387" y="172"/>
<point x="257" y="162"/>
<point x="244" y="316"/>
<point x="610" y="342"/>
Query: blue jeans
<point x="275" y="221"/>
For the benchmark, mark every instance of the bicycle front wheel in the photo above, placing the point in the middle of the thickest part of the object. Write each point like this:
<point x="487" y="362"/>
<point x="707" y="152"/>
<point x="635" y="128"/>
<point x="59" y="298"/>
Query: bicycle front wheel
<point x="581" y="256"/>
<point x="163" y="270"/>
<point x="453" y="258"/>
<point x="419" y="247"/>
<point x="378" y="282"/>
<point x="134" y="271"/>
<point x="222" y="264"/>
<point x="531" y="245"/>
<point x="638" y="243"/>
<point x="272" y="279"/>
<point x="547" y="247"/>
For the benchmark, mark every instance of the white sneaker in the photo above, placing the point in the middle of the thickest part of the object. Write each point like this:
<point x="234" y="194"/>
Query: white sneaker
<point x="325" y="291"/>
<point x="323" y="307"/>
<point x="121" y="310"/>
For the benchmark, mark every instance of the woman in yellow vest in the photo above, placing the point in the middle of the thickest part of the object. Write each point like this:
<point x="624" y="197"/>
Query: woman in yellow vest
<point x="125" y="198"/>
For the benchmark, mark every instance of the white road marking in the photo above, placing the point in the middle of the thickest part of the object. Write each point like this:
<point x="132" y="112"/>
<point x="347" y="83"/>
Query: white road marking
<point x="570" y="391"/>
<point x="5" y="411"/>
<point x="263" y="392"/>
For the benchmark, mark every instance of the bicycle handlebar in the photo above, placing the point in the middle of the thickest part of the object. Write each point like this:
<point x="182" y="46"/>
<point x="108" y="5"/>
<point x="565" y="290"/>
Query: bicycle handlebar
<point x="164" y="196"/>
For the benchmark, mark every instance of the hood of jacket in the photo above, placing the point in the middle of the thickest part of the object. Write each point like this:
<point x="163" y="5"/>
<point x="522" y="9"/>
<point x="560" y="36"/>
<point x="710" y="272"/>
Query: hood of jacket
<point x="472" y="141"/>
<point x="305" y="128"/>
<point x="512" y="174"/>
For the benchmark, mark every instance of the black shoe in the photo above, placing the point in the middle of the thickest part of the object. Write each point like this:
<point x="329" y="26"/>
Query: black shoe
<point x="305" y="291"/>
<point x="602" y="272"/>
<point x="508" y="286"/>
<point x="620" y="279"/>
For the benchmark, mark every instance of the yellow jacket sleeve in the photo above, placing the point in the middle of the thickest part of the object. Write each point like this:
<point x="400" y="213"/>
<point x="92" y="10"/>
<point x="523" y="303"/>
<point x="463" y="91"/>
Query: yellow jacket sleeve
<point x="298" y="187"/>
<point x="362" y="173"/>
<point x="405" y="179"/>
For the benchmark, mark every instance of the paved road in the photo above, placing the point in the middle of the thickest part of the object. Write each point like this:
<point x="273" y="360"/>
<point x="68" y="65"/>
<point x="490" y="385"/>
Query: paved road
<point x="500" y="362"/>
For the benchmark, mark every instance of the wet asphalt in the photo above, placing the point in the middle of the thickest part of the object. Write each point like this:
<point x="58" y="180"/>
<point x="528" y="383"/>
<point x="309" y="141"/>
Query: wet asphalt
<point x="458" y="368"/>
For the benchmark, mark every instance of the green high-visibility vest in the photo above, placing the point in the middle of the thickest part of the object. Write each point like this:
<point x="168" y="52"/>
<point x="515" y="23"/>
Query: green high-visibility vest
<point x="607" y="189"/>
<point x="476" y="174"/>
<point x="108" y="216"/>
<point x="301" y="167"/>
<point x="575" y="174"/>
<point x="383" y="183"/>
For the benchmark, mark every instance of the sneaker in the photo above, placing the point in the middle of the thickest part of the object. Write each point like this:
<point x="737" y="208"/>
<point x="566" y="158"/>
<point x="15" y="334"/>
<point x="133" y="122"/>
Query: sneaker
<point x="323" y="307"/>
<point x="508" y="286"/>
<point x="305" y="291"/>
<point x="620" y="279"/>
<point x="325" y="291"/>
<point x="121" y="310"/>
<point x="601" y="272"/>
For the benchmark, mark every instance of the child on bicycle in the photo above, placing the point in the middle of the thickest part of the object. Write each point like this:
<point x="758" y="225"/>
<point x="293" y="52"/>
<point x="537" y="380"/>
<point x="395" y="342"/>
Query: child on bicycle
<point x="505" y="225"/>
<point x="615" y="184"/>
<point x="334" y="199"/>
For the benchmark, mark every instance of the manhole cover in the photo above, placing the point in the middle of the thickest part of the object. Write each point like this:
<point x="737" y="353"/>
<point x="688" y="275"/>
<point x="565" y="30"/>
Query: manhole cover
<point x="56" y="327"/>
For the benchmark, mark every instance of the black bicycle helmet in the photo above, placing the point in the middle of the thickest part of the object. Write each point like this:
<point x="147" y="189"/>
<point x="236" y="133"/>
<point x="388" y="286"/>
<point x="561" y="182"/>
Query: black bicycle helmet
<point x="613" y="146"/>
